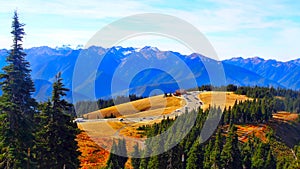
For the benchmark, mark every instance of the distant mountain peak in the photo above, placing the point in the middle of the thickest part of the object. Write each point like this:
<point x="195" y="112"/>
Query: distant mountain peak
<point x="42" y="50"/>
<point x="151" y="48"/>
<point x="257" y="59"/>
<point x="63" y="47"/>
<point x="236" y="58"/>
<point x="79" y="47"/>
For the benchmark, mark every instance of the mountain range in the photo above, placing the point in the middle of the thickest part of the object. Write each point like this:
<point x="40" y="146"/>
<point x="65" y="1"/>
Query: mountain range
<point x="142" y="70"/>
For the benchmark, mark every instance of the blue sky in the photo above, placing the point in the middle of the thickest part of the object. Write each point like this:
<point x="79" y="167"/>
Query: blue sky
<point x="268" y="29"/>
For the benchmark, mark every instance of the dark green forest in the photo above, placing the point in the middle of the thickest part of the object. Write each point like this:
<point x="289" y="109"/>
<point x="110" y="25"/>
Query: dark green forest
<point x="33" y="135"/>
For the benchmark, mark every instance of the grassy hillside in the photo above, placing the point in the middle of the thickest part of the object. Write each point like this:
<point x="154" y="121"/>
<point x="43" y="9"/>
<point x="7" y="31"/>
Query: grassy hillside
<point x="151" y="106"/>
<point x="99" y="133"/>
<point x="220" y="99"/>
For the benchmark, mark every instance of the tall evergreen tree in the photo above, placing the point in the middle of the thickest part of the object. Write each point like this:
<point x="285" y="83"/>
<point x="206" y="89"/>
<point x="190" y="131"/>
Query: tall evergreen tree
<point x="112" y="161"/>
<point x="118" y="155"/>
<point x="123" y="153"/>
<point x="246" y="154"/>
<point x="195" y="156"/>
<point x="135" y="161"/>
<point x="17" y="105"/>
<point x="231" y="156"/>
<point x="58" y="94"/>
<point x="154" y="162"/>
<point x="174" y="157"/>
<point x="207" y="150"/>
<point x="45" y="157"/>
<point x="216" y="152"/>
<point x="63" y="127"/>
<point x="57" y="132"/>
<point x="158" y="161"/>
<point x="270" y="161"/>
<point x="263" y="157"/>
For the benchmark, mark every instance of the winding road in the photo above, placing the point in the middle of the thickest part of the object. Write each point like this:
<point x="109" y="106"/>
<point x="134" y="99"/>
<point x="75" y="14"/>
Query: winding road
<point x="192" y="102"/>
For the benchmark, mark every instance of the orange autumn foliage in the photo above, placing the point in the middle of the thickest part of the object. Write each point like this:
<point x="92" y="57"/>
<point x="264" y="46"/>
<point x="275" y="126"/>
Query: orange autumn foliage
<point x="92" y="155"/>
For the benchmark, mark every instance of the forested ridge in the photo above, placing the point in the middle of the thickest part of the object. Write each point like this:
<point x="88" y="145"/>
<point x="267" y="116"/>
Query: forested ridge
<point x="223" y="149"/>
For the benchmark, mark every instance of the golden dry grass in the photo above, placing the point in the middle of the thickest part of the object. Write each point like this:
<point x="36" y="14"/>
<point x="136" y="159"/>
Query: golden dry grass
<point x="103" y="133"/>
<point x="151" y="106"/>
<point x="93" y="155"/>
<point x="221" y="99"/>
<point x="102" y="129"/>
<point x="98" y="128"/>
<point x="285" y="116"/>
<point x="131" y="129"/>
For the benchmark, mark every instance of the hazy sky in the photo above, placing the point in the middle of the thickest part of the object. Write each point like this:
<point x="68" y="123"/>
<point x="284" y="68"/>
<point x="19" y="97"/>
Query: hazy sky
<point x="267" y="28"/>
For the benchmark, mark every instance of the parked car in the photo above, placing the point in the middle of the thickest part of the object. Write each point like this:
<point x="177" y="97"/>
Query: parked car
<point x="78" y="120"/>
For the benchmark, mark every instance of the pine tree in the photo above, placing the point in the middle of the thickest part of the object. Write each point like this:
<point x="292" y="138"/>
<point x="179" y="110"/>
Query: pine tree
<point x="246" y="155"/>
<point x="270" y="161"/>
<point x="258" y="159"/>
<point x="208" y="148"/>
<point x="154" y="162"/>
<point x="135" y="160"/>
<point x="174" y="157"/>
<point x="144" y="162"/>
<point x="118" y="155"/>
<point x="122" y="151"/>
<point x="55" y="137"/>
<point x="216" y="153"/>
<point x="45" y="157"/>
<point x="17" y="105"/>
<point x="146" y="153"/>
<point x="17" y="85"/>
<point x="63" y="127"/>
<point x="112" y="161"/>
<point x="58" y="94"/>
<point x="157" y="161"/>
<point x="230" y="156"/>
<point x="195" y="156"/>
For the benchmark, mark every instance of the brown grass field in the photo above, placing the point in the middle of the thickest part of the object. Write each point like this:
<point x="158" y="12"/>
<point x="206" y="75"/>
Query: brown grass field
<point x="221" y="99"/>
<point x="92" y="155"/>
<point x="244" y="131"/>
<point x="156" y="105"/>
<point x="103" y="132"/>
<point x="285" y="116"/>
<point x="248" y="130"/>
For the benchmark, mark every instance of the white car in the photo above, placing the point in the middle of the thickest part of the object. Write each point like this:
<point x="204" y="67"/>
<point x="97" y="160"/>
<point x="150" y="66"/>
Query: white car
<point x="78" y="120"/>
